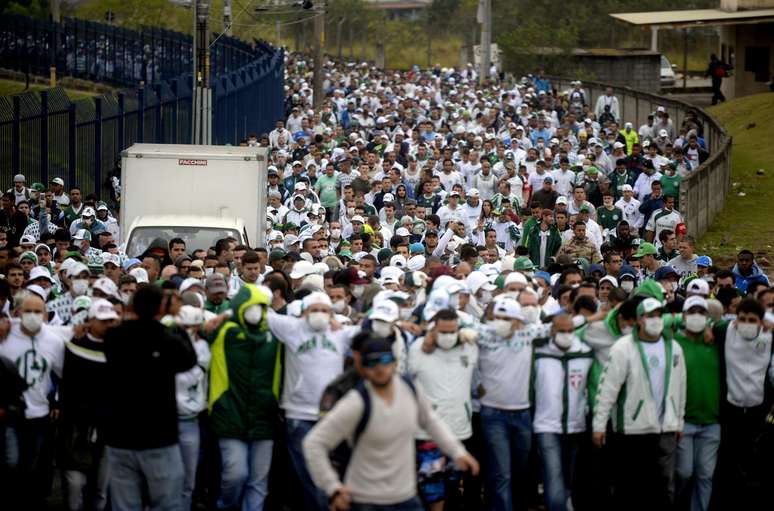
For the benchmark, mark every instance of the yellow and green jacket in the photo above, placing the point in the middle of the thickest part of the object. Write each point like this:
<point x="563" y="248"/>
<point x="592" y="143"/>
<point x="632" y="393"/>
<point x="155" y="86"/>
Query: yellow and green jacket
<point x="244" y="373"/>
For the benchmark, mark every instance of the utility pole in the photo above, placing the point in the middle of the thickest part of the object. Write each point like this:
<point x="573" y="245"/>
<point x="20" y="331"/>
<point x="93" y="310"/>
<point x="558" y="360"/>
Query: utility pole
<point x="319" y="48"/>
<point x="202" y="94"/>
<point x="227" y="17"/>
<point x="339" y="26"/>
<point x="486" y="40"/>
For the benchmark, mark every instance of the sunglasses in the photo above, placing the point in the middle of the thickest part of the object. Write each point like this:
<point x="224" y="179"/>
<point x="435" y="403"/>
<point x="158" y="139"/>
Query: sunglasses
<point x="376" y="359"/>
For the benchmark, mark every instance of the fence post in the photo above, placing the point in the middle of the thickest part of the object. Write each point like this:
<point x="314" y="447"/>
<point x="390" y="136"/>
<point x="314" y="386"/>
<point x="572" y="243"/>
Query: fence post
<point x="157" y="115"/>
<point x="141" y="114"/>
<point x="174" y="85"/>
<point x="16" y="135"/>
<point x="121" y="120"/>
<point x="98" y="146"/>
<point x="44" y="136"/>
<point x="72" y="144"/>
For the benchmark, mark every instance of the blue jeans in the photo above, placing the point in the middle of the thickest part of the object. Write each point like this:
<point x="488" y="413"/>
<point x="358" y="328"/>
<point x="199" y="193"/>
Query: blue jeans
<point x="245" y="474"/>
<point x="296" y="430"/>
<point x="557" y="453"/>
<point x="507" y="441"/>
<point x="159" y="470"/>
<point x="190" y="440"/>
<point x="412" y="504"/>
<point x="697" y="454"/>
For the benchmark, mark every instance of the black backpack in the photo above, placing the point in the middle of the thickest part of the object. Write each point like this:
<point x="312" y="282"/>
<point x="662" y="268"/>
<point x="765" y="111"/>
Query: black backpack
<point x="335" y="390"/>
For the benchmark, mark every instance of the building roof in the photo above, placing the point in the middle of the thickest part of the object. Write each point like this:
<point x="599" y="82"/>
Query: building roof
<point x="678" y="19"/>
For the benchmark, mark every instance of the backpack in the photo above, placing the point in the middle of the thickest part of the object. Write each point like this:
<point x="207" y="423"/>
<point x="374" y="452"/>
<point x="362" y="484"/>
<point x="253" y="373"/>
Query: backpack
<point x="335" y="390"/>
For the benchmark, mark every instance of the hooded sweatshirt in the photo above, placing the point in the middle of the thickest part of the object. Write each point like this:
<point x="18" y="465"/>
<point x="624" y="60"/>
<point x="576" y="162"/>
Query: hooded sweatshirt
<point x="742" y="281"/>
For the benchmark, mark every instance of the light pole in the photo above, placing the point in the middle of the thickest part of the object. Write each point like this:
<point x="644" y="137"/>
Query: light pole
<point x="201" y="131"/>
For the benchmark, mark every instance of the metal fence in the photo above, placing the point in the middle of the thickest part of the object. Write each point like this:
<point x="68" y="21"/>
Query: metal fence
<point x="703" y="193"/>
<point x="46" y="135"/>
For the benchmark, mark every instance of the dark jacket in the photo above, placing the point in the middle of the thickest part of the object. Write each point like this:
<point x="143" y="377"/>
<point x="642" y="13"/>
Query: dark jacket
<point x="552" y="247"/>
<point x="244" y="373"/>
<point x="143" y="357"/>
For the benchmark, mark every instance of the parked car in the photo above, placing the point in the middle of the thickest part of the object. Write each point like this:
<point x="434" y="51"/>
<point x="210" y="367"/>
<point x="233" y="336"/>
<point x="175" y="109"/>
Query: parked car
<point x="667" y="73"/>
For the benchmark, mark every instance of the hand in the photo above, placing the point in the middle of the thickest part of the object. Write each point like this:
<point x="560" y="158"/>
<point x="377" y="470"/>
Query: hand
<point x="80" y="330"/>
<point x="5" y="328"/>
<point x="211" y="325"/>
<point x="468" y="335"/>
<point x="342" y="500"/>
<point x="709" y="337"/>
<point x="410" y="327"/>
<point x="428" y="345"/>
<point x="335" y="325"/>
<point x="467" y="462"/>
<point x="598" y="438"/>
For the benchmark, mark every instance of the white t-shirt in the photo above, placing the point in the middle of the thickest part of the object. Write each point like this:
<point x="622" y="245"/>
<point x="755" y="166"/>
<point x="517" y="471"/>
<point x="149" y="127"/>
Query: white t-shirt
<point x="655" y="358"/>
<point x="35" y="358"/>
<point x="445" y="376"/>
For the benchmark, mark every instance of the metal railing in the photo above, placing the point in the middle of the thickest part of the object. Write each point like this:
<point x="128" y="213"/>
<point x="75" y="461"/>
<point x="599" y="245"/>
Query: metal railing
<point x="703" y="193"/>
<point x="45" y="134"/>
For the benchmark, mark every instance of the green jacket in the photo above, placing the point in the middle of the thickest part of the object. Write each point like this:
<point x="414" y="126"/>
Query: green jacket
<point x="244" y="373"/>
<point x="552" y="247"/>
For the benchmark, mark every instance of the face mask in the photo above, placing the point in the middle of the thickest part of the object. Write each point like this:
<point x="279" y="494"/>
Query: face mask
<point x="125" y="297"/>
<point x="485" y="298"/>
<point x="350" y="211"/>
<point x="405" y="313"/>
<point x="339" y="307"/>
<point x="564" y="340"/>
<point x="502" y="327"/>
<point x="626" y="330"/>
<point x="208" y="271"/>
<point x="358" y="290"/>
<point x="32" y="321"/>
<point x="335" y="233"/>
<point x="531" y="313"/>
<point x="446" y="341"/>
<point x="253" y="315"/>
<point x="381" y="328"/>
<point x="318" y="320"/>
<point x="79" y="287"/>
<point x="748" y="331"/>
<point x="654" y="326"/>
<point x="627" y="285"/>
<point x="695" y="322"/>
<point x="78" y="244"/>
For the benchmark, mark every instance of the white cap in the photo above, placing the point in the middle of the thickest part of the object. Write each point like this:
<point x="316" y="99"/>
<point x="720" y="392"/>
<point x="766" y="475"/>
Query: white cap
<point x="388" y="197"/>
<point x="358" y="218"/>
<point x="106" y="285"/>
<point x="515" y="277"/>
<point x="663" y="133"/>
<point x="561" y="200"/>
<point x="39" y="272"/>
<point x="391" y="273"/>
<point x="661" y="109"/>
<point x="313" y="282"/>
<point x="321" y="268"/>
<point x="398" y="261"/>
<point x="477" y="280"/>
<point x="609" y="278"/>
<point x="618" y="145"/>
<point x="42" y="293"/>
<point x="140" y="275"/>
<point x="189" y="283"/>
<point x="627" y="188"/>
<point x="188" y="315"/>
<point x="695" y="301"/>
<point x="102" y="309"/>
<point x="88" y="212"/>
<point x="473" y="192"/>
<point x="301" y="269"/>
<point x="107" y="257"/>
<point x="508" y="308"/>
<point x="402" y="231"/>
<point x="698" y="287"/>
<point x="417" y="262"/>
<point x="316" y="298"/>
<point x="76" y="269"/>
<point x="386" y="310"/>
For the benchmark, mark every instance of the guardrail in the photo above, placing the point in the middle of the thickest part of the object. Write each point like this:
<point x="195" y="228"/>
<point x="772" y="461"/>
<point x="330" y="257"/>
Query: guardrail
<point x="704" y="192"/>
<point x="45" y="134"/>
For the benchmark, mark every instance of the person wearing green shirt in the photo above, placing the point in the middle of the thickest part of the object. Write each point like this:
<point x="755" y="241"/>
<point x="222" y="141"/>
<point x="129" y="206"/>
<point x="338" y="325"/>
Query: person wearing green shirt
<point x="531" y="222"/>
<point x="326" y="190"/>
<point x="697" y="450"/>
<point x="609" y="216"/>
<point x="670" y="182"/>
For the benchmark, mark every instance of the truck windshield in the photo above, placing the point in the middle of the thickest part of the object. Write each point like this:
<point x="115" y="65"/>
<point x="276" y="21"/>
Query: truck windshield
<point x="195" y="237"/>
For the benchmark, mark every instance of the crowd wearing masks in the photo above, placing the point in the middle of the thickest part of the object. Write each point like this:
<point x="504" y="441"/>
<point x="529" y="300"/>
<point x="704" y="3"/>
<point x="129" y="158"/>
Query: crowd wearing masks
<point x="469" y="297"/>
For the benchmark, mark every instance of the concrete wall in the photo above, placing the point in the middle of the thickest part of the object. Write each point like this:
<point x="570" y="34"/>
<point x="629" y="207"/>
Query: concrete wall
<point x="638" y="71"/>
<point x="737" y="5"/>
<point x="739" y="37"/>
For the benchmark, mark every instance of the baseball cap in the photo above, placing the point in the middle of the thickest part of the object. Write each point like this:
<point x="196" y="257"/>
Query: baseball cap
<point x="647" y="306"/>
<point x="358" y="218"/>
<point x="388" y="197"/>
<point x="58" y="181"/>
<point x="28" y="239"/>
<point x="130" y="262"/>
<point x="627" y="188"/>
<point x="102" y="309"/>
<point x="618" y="145"/>
<point x="561" y="200"/>
<point x="694" y="301"/>
<point x="88" y="212"/>
<point x="416" y="262"/>
<point x="29" y="255"/>
<point x="704" y="261"/>
<point x="76" y="269"/>
<point x="416" y="248"/>
<point x="216" y="283"/>
<point x="609" y="278"/>
<point x="664" y="272"/>
<point x="82" y="234"/>
<point x="523" y="263"/>
<point x="698" y="287"/>
<point x="473" y="192"/>
<point x="478" y="280"/>
<point x="376" y="351"/>
<point x="190" y="316"/>
<point x="646" y="249"/>
<point x="108" y="258"/>
<point x="386" y="310"/>
<point x="39" y="272"/>
<point x="301" y="269"/>
<point x="508" y="308"/>
<point x="106" y="286"/>
<point x="398" y="261"/>
<point x="402" y="232"/>
<point x="19" y="178"/>
<point x="276" y="255"/>
<point x="189" y="283"/>
<point x="316" y="298"/>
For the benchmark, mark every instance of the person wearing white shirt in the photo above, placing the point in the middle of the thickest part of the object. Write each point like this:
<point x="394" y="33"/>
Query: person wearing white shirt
<point x="564" y="178"/>
<point x="451" y="211"/>
<point x="607" y="99"/>
<point x="630" y="207"/>
<point x="471" y="210"/>
<point x="537" y="178"/>
<point x="450" y="177"/>
<point x="642" y="186"/>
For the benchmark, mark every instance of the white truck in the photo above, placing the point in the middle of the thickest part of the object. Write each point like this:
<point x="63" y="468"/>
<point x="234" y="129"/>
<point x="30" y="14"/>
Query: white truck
<point x="194" y="192"/>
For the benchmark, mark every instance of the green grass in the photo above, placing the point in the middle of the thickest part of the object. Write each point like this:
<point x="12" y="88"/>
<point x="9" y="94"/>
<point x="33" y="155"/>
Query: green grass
<point x="9" y="87"/>
<point x="745" y="221"/>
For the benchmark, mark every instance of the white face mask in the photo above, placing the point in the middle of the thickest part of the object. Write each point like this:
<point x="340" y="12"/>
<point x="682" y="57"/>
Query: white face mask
<point x="358" y="290"/>
<point x="695" y="322"/>
<point x="381" y="328"/>
<point x="654" y="326"/>
<point x="32" y="321"/>
<point x="253" y="315"/>
<point x="502" y="327"/>
<point x="79" y="287"/>
<point x="405" y="313"/>
<point x="125" y="297"/>
<point x="627" y="285"/>
<point x="531" y="313"/>
<point x="626" y="330"/>
<point x="748" y="331"/>
<point x="336" y="233"/>
<point x="350" y="211"/>
<point x="446" y="341"/>
<point x="564" y="340"/>
<point x="319" y="321"/>
<point x="339" y="307"/>
<point x="208" y="271"/>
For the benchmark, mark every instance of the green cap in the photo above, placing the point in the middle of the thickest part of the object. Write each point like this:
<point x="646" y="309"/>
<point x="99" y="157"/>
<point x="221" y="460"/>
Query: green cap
<point x="647" y="306"/>
<point x="384" y="255"/>
<point x="592" y="170"/>
<point x="38" y="187"/>
<point x="276" y="255"/>
<point x="523" y="263"/>
<point x="584" y="209"/>
<point x="500" y="281"/>
<point x="346" y="253"/>
<point x="29" y="255"/>
<point x="645" y="249"/>
<point x="650" y="289"/>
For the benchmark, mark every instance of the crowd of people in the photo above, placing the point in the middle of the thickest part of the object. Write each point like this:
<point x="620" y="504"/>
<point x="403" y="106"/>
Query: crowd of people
<point x="470" y="297"/>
